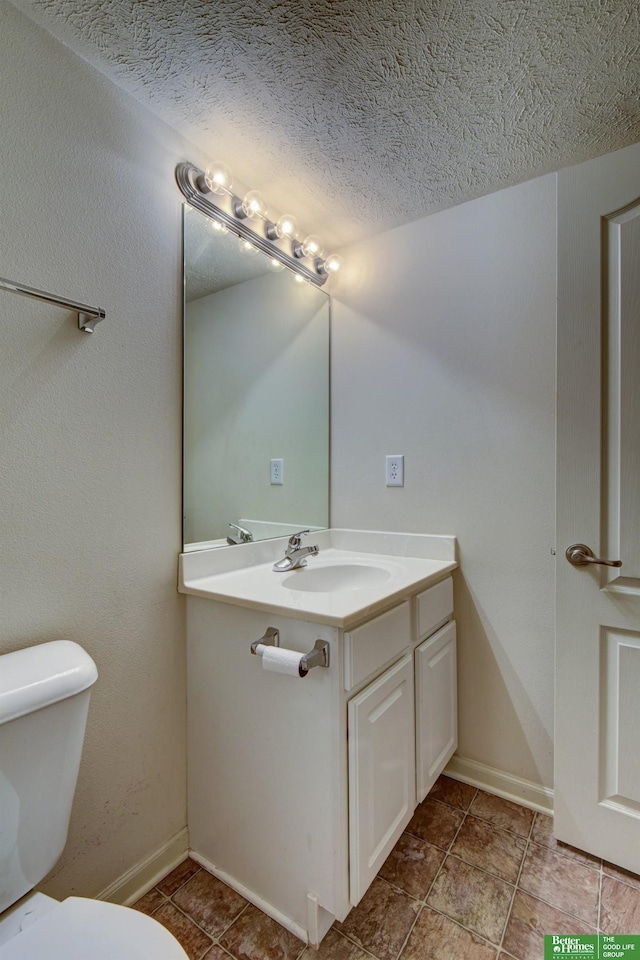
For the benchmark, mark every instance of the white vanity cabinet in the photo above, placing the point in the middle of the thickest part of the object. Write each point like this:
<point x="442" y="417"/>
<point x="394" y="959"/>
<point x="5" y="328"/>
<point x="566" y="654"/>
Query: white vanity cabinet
<point x="436" y="707"/>
<point x="382" y="772"/>
<point x="299" y="788"/>
<point x="402" y="726"/>
<point x="435" y="684"/>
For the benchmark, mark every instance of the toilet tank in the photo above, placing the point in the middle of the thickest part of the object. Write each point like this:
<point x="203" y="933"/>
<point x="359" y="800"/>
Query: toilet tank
<point x="44" y="699"/>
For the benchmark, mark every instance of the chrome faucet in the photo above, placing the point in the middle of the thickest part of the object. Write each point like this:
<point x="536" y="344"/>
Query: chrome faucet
<point x="241" y="535"/>
<point x="295" y="555"/>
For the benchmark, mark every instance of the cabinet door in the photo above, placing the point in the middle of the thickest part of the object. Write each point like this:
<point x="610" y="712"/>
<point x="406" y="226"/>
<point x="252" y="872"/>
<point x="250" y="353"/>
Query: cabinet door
<point x="381" y="771"/>
<point x="436" y="706"/>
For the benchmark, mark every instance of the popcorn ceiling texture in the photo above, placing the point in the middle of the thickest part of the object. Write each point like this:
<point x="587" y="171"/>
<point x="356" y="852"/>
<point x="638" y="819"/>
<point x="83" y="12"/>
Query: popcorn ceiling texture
<point x="361" y="116"/>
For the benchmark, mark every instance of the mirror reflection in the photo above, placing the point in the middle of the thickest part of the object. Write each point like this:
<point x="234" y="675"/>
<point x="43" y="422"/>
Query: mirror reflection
<point x="256" y="394"/>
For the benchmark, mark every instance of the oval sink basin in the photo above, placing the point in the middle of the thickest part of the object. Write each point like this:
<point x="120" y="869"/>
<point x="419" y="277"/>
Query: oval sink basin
<point x="334" y="577"/>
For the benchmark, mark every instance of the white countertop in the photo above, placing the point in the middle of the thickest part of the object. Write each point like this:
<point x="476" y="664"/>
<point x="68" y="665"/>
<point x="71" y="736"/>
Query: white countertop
<point x="380" y="570"/>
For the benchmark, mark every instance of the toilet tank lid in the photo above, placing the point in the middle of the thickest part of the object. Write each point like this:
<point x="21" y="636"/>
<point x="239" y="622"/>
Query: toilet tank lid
<point x="41" y="675"/>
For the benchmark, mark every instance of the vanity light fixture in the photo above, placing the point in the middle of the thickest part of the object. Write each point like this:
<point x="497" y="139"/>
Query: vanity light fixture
<point x="311" y="247"/>
<point x="252" y="206"/>
<point x="286" y="226"/>
<point x="218" y="178"/>
<point x="211" y="193"/>
<point x="331" y="264"/>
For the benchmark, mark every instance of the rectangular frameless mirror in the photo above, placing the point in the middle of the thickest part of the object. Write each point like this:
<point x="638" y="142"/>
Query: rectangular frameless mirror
<point x="256" y="394"/>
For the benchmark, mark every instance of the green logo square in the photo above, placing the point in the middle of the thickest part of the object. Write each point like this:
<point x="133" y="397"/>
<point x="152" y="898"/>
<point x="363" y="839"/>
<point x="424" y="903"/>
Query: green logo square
<point x="568" y="945"/>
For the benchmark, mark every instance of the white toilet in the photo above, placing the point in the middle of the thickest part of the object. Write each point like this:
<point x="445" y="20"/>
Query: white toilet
<point x="44" y="700"/>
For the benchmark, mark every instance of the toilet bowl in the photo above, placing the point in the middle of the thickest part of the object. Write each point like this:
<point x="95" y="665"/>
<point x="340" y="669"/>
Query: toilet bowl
<point x="44" y="700"/>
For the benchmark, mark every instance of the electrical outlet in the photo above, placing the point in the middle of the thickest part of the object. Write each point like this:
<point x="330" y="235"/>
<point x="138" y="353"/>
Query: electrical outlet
<point x="395" y="470"/>
<point x="276" y="472"/>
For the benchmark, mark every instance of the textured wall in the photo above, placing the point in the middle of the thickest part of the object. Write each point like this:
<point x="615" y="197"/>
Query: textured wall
<point x="361" y="116"/>
<point x="444" y="350"/>
<point x="90" y="466"/>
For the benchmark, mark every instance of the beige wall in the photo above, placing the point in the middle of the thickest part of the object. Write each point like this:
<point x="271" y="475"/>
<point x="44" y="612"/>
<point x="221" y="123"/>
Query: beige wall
<point x="444" y="350"/>
<point x="91" y="432"/>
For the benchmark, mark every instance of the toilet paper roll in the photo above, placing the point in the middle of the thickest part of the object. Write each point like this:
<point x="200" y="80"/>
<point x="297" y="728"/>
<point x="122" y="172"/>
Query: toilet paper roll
<point x="280" y="660"/>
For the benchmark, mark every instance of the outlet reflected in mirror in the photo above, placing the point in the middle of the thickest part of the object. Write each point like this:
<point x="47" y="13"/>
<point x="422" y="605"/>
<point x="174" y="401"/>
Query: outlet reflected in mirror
<point x="256" y="394"/>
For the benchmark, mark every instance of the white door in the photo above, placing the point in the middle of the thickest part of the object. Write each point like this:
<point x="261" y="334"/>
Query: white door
<point x="597" y="741"/>
<point x="382" y="772"/>
<point x="436" y="707"/>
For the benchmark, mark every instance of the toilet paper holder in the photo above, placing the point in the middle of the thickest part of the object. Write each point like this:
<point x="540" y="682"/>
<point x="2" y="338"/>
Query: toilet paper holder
<point x="318" y="657"/>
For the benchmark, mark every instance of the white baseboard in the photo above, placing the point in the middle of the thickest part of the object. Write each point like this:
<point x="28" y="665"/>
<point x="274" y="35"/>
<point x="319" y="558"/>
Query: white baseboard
<point x="253" y="898"/>
<point x="505" y="785"/>
<point x="144" y="875"/>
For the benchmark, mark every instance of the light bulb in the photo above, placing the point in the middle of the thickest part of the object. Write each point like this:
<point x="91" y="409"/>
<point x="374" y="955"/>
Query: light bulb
<point x="312" y="247"/>
<point x="333" y="263"/>
<point x="218" y="178"/>
<point x="286" y="226"/>
<point x="298" y="278"/>
<point x="275" y="264"/>
<point x="218" y="227"/>
<point x="253" y="205"/>
<point x="246" y="246"/>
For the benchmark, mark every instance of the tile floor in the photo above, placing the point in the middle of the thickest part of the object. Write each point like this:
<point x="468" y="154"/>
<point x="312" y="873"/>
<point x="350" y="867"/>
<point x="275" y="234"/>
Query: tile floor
<point x="473" y="877"/>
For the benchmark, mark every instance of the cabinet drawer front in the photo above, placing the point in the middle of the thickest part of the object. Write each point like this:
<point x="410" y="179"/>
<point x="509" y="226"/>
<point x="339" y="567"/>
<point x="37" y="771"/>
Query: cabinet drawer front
<point x="433" y="608"/>
<point x="436" y="706"/>
<point x="372" y="646"/>
<point x="382" y="784"/>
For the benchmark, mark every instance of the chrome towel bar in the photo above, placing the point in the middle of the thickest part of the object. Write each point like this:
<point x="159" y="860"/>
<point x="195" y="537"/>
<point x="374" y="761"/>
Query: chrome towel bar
<point x="88" y="317"/>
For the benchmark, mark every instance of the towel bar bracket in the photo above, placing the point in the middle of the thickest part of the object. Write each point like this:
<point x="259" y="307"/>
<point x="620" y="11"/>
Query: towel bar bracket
<point x="87" y="321"/>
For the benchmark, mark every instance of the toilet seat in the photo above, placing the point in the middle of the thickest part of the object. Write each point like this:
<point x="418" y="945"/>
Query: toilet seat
<point x="78" y="929"/>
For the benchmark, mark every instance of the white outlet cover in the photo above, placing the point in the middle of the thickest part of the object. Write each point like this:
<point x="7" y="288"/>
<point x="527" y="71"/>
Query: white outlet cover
<point x="394" y="470"/>
<point x="276" y="471"/>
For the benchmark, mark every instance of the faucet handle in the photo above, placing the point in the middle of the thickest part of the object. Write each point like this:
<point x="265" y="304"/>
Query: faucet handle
<point x="295" y="539"/>
<point x="245" y="535"/>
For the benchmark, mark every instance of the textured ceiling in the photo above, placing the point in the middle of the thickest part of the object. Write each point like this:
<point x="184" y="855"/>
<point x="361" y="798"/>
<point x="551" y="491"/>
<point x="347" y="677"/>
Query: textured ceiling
<point x="357" y="116"/>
